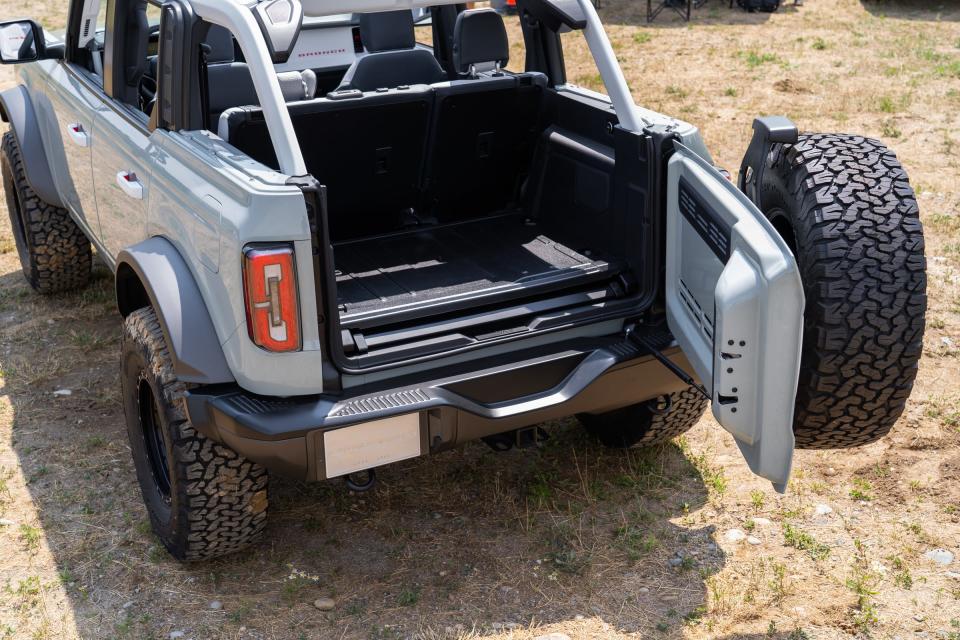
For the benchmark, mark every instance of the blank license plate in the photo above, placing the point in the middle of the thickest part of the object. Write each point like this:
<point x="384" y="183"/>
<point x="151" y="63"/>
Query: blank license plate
<point x="371" y="444"/>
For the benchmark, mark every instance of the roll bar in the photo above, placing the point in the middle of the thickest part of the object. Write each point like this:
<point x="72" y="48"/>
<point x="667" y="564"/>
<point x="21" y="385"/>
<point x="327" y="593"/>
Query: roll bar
<point x="239" y="17"/>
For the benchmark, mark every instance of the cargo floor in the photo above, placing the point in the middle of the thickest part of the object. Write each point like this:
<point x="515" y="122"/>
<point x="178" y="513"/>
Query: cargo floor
<point x="451" y="267"/>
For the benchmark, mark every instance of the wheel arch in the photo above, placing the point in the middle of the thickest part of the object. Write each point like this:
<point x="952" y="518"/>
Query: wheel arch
<point x="16" y="108"/>
<point x="153" y="273"/>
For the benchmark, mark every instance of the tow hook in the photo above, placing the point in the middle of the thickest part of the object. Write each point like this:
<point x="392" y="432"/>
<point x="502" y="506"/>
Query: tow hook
<point x="520" y="438"/>
<point x="361" y="480"/>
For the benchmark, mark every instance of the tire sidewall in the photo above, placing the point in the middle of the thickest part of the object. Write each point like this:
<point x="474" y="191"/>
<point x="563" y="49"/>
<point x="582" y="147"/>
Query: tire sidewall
<point x="14" y="200"/>
<point x="136" y="364"/>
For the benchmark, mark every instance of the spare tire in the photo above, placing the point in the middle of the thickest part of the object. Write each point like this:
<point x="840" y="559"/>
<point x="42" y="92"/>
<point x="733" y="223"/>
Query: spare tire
<point x="844" y="205"/>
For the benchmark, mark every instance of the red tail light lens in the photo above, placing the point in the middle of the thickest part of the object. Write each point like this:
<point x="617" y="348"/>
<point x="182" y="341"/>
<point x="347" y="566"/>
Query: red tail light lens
<point x="270" y="291"/>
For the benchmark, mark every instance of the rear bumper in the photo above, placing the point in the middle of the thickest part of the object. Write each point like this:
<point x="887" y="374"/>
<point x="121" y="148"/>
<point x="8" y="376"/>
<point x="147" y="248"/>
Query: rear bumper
<point x="286" y="434"/>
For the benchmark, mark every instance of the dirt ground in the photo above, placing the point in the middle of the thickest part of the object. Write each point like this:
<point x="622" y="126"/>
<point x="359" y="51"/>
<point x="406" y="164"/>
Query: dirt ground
<point x="570" y="538"/>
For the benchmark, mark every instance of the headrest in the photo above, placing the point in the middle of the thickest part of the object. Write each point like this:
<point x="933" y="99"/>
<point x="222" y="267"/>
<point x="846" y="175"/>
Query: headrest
<point x="297" y="85"/>
<point x="221" y="45"/>
<point x="387" y="31"/>
<point x="479" y="37"/>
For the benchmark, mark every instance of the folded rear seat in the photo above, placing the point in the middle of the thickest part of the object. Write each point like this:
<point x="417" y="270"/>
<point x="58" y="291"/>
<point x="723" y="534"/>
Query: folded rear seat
<point x="368" y="149"/>
<point x="484" y="126"/>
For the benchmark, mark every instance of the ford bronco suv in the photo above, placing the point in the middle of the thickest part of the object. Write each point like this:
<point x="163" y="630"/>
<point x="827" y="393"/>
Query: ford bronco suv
<point x="336" y="247"/>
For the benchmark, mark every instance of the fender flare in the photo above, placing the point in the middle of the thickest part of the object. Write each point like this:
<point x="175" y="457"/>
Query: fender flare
<point x="153" y="272"/>
<point x="17" y="109"/>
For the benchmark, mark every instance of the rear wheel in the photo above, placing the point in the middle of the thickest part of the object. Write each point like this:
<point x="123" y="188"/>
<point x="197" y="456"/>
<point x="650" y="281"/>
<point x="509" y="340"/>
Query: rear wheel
<point x="844" y="205"/>
<point x="54" y="252"/>
<point x="648" y="423"/>
<point x="204" y="499"/>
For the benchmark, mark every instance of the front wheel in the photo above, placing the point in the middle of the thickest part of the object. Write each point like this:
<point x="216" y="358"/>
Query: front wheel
<point x="648" y="423"/>
<point x="204" y="499"/>
<point x="54" y="252"/>
<point x="844" y="205"/>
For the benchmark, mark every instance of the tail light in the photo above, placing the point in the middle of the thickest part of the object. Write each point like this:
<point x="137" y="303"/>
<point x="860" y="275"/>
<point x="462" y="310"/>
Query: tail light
<point x="270" y="293"/>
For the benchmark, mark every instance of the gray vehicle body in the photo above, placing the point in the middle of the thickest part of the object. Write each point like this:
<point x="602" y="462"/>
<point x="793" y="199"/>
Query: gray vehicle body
<point x="175" y="239"/>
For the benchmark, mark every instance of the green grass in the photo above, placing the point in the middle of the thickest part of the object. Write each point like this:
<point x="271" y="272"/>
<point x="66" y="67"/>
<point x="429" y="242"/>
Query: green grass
<point x="861" y="490"/>
<point x="800" y="539"/>
<point x="754" y="58"/>
<point x="30" y="536"/>
<point x="408" y="596"/>
<point x="887" y="105"/>
<point x="642" y="37"/>
<point x="679" y="92"/>
<point x="863" y="583"/>
<point x="636" y="541"/>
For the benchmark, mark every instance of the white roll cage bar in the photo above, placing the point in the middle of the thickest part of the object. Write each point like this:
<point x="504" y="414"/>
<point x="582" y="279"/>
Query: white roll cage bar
<point x="237" y="16"/>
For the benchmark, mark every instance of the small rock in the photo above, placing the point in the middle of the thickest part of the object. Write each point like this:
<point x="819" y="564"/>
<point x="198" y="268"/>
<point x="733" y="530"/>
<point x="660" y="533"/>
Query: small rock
<point x="63" y="392"/>
<point x="830" y="472"/>
<point x="918" y="618"/>
<point x="675" y="561"/>
<point x="940" y="556"/>
<point x="644" y="590"/>
<point x="761" y="522"/>
<point x="324" y="604"/>
<point x="49" y="320"/>
<point x="950" y="574"/>
<point x="823" y="509"/>
<point x="176" y="634"/>
<point x="578" y="617"/>
<point x="128" y="604"/>
<point x="4" y="522"/>
<point x="754" y="540"/>
<point x="553" y="636"/>
<point x="945" y="341"/>
<point x="216" y="605"/>
<point x="734" y="535"/>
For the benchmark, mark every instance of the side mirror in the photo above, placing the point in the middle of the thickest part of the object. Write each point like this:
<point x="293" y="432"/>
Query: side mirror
<point x="22" y="41"/>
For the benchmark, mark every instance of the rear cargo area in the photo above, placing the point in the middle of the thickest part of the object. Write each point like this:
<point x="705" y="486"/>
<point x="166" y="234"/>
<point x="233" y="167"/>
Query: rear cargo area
<point x="501" y="255"/>
<point x="470" y="212"/>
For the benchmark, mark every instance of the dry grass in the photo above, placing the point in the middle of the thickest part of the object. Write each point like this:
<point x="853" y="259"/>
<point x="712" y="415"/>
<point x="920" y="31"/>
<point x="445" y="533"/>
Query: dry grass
<point x="569" y="538"/>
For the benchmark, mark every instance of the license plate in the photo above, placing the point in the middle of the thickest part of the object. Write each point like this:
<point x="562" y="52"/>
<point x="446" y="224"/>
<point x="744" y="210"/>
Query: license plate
<point x="371" y="444"/>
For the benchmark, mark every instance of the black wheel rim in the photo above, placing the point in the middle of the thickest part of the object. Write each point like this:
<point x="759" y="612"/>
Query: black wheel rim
<point x="781" y="222"/>
<point x="152" y="429"/>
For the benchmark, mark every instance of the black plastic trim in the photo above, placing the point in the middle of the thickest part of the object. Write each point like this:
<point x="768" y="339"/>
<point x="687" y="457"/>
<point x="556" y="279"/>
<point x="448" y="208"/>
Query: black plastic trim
<point x="173" y="293"/>
<point x="17" y="109"/>
<point x="213" y="410"/>
<point x="766" y="131"/>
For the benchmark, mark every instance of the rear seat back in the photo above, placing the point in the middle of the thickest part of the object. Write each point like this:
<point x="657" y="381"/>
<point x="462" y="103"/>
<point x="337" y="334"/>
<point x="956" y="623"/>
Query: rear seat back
<point x="484" y="127"/>
<point x="368" y="150"/>
<point x="483" y="136"/>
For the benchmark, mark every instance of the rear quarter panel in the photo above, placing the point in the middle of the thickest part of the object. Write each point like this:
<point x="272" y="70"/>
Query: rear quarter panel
<point x="209" y="207"/>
